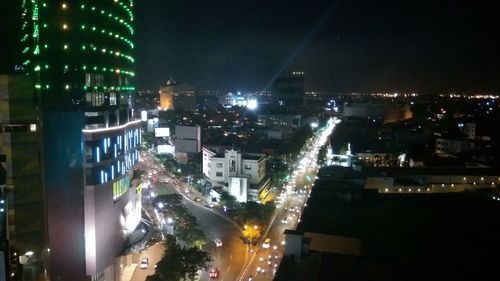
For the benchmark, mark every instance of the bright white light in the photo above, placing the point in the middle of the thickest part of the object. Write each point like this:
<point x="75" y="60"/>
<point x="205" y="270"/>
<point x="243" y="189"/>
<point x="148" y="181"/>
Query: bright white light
<point x="29" y="253"/>
<point x="170" y="220"/>
<point x="314" y="125"/>
<point x="252" y="104"/>
<point x="144" y="115"/>
<point x="161" y="205"/>
<point x="111" y="128"/>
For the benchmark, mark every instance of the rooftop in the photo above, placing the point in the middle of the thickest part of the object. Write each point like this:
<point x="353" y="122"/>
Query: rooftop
<point x="423" y="237"/>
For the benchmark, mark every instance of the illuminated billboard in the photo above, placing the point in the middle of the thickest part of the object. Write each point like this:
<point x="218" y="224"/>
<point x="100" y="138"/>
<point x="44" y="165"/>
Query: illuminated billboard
<point x="165" y="149"/>
<point x="162" y="132"/>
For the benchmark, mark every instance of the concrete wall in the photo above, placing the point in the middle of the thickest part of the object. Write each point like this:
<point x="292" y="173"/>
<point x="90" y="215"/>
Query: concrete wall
<point x="111" y="236"/>
<point x="63" y="162"/>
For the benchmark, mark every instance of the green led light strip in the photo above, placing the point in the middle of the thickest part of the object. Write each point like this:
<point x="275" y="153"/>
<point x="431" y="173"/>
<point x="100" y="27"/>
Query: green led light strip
<point x="115" y="35"/>
<point x="107" y="14"/>
<point x="103" y="50"/>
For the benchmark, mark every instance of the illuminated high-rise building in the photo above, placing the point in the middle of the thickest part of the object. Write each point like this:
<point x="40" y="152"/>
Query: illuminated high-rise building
<point x="80" y="54"/>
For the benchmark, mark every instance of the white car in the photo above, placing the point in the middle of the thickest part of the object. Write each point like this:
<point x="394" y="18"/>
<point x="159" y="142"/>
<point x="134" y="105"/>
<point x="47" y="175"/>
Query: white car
<point x="218" y="242"/>
<point x="267" y="243"/>
<point x="144" y="263"/>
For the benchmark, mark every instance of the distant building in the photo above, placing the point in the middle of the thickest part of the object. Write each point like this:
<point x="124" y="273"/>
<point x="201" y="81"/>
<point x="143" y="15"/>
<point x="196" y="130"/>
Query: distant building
<point x="415" y="180"/>
<point x="452" y="145"/>
<point x="284" y="120"/>
<point x="288" y="91"/>
<point x="177" y="96"/>
<point x="146" y="100"/>
<point x="242" y="175"/>
<point x="386" y="112"/>
<point x="470" y="130"/>
<point x="187" y="139"/>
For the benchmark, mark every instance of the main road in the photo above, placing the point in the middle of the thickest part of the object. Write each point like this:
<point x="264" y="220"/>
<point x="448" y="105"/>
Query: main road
<point x="292" y="201"/>
<point x="229" y="258"/>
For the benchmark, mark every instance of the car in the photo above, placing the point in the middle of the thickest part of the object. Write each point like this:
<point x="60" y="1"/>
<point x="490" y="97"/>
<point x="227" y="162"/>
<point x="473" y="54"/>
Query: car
<point x="284" y="220"/>
<point x="144" y="263"/>
<point x="267" y="243"/>
<point x="213" y="273"/>
<point x="218" y="242"/>
<point x="198" y="199"/>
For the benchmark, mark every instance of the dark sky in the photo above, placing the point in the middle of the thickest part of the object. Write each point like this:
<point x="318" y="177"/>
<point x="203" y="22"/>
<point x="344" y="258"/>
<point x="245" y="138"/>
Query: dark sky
<point x="424" y="46"/>
<point x="349" y="45"/>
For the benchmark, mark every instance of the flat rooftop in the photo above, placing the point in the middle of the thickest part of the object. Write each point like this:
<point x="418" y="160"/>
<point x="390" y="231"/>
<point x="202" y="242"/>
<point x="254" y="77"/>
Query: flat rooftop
<point x="424" y="237"/>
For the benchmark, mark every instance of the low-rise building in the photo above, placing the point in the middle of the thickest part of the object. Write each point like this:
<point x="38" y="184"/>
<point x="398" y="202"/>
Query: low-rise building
<point x="243" y="175"/>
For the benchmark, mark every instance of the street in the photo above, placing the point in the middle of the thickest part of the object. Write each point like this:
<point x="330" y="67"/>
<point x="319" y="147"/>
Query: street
<point x="232" y="259"/>
<point x="229" y="259"/>
<point x="291" y="203"/>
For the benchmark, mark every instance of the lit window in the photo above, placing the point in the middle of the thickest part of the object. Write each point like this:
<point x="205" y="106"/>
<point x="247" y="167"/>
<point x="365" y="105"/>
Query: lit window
<point x="33" y="127"/>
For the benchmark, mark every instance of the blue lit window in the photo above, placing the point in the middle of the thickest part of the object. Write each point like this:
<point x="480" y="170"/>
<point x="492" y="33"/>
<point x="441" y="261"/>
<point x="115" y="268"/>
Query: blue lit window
<point x="97" y="153"/>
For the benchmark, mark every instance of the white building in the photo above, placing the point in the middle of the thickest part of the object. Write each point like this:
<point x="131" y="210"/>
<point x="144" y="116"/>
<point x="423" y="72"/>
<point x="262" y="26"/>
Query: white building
<point x="241" y="175"/>
<point x="451" y="145"/>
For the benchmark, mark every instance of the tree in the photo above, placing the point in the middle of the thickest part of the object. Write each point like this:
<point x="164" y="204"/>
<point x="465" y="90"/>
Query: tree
<point x="179" y="263"/>
<point x="169" y="199"/>
<point x="228" y="200"/>
<point x="254" y="212"/>
<point x="186" y="225"/>
<point x="321" y="159"/>
<point x="251" y="232"/>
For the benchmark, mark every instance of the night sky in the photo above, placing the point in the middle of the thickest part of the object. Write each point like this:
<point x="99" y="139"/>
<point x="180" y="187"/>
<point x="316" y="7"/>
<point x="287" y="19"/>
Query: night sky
<point x="343" y="46"/>
<point x="423" y="46"/>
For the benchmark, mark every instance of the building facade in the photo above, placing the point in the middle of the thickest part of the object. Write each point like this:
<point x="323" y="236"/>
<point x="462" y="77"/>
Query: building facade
<point x="242" y="175"/>
<point x="288" y="91"/>
<point x="187" y="139"/>
<point x="21" y="195"/>
<point x="80" y="56"/>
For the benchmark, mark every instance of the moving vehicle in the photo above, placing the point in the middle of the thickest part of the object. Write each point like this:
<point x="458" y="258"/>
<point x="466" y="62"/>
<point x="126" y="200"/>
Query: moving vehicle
<point x="218" y="242"/>
<point x="267" y="243"/>
<point x="144" y="263"/>
<point x="213" y="273"/>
